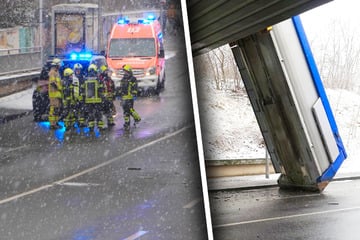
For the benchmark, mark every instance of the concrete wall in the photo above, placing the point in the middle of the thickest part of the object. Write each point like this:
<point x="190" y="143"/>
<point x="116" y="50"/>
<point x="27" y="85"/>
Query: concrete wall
<point x="15" y="63"/>
<point x="16" y="83"/>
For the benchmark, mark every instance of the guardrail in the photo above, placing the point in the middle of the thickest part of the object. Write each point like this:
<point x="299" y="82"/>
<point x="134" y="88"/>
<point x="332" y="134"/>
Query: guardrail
<point x="239" y="167"/>
<point x="19" y="68"/>
<point x="12" y="73"/>
<point x="12" y="82"/>
<point x="12" y="51"/>
<point x="16" y="60"/>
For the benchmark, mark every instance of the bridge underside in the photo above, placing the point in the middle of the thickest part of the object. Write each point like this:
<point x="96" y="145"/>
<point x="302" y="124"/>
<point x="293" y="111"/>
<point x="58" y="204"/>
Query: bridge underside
<point x="292" y="113"/>
<point x="215" y="23"/>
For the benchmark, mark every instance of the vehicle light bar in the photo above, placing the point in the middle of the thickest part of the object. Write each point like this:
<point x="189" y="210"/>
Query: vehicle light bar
<point x="149" y="19"/>
<point x="123" y="21"/>
<point x="80" y="56"/>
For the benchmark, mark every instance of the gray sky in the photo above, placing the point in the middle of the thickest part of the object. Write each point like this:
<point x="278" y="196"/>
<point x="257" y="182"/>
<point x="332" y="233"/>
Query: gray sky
<point x="332" y="26"/>
<point x="344" y="12"/>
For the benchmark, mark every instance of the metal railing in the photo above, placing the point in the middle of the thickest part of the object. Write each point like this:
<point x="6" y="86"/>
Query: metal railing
<point x="266" y="162"/>
<point x="12" y="51"/>
<point x="17" y="72"/>
<point x="19" y="60"/>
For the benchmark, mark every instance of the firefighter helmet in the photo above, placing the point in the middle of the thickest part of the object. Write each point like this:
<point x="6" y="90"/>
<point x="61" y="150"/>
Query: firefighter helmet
<point x="103" y="68"/>
<point x="127" y="68"/>
<point x="56" y="62"/>
<point x="77" y="66"/>
<point x="92" y="67"/>
<point x="68" y="72"/>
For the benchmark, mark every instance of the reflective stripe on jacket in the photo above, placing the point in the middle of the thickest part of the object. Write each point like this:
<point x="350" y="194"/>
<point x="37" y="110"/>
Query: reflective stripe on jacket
<point x="128" y="88"/>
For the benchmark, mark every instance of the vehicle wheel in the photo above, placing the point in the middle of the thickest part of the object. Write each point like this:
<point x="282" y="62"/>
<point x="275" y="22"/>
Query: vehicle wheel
<point x="158" y="87"/>
<point x="163" y="82"/>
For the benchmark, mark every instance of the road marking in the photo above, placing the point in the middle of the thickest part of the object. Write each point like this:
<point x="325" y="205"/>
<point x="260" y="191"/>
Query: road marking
<point x="78" y="184"/>
<point x="136" y="235"/>
<point x="25" y="193"/>
<point x="285" y="217"/>
<point x="15" y="197"/>
<point x="14" y="149"/>
<point x="192" y="203"/>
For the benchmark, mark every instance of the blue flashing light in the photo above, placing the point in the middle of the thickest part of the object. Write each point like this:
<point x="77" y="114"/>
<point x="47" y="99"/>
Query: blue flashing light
<point x="73" y="56"/>
<point x="123" y="21"/>
<point x="80" y="56"/>
<point x="143" y="21"/>
<point x="85" y="55"/>
<point x="151" y="17"/>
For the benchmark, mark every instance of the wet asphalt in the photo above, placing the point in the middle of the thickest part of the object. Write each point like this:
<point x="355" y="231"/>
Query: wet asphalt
<point x="272" y="213"/>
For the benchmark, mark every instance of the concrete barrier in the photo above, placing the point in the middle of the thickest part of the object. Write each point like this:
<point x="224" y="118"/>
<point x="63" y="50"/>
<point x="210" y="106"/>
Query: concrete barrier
<point x="237" y="167"/>
<point x="18" y="62"/>
<point x="10" y="84"/>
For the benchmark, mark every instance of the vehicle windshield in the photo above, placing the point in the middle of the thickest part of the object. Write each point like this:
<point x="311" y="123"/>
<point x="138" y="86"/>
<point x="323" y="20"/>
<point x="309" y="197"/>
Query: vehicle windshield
<point x="132" y="47"/>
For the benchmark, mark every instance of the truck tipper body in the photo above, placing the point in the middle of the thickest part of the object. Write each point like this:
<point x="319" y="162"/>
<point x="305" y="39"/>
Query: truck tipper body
<point x="75" y="28"/>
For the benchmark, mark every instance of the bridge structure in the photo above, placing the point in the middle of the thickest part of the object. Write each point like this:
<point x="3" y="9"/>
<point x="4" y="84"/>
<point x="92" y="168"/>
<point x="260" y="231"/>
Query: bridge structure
<point x="282" y="81"/>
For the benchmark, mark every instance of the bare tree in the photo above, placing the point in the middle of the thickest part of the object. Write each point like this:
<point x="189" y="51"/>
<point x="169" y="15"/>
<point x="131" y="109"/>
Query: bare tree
<point x="17" y="13"/>
<point x="219" y="67"/>
<point x="237" y="77"/>
<point x="337" y="56"/>
<point x="214" y="69"/>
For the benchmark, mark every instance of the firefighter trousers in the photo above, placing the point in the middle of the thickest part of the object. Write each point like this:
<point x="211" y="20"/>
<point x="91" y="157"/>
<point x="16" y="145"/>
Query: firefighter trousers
<point x="55" y="111"/>
<point x="129" y="111"/>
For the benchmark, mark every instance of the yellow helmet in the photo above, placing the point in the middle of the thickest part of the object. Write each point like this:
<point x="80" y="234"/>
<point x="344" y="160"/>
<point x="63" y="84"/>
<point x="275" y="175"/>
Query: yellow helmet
<point x="56" y="62"/>
<point x="103" y="68"/>
<point x="127" y="68"/>
<point x="92" y="67"/>
<point x="68" y="72"/>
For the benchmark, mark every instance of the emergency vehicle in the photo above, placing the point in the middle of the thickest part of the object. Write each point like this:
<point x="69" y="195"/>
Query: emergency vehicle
<point x="138" y="43"/>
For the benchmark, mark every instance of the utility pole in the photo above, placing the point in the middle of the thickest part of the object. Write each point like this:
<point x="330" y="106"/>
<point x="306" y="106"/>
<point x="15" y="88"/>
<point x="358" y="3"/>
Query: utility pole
<point x="100" y="29"/>
<point x="41" y="28"/>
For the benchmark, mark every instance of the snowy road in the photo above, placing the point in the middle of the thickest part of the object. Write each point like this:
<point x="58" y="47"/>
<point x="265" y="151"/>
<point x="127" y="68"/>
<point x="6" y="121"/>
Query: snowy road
<point x="107" y="186"/>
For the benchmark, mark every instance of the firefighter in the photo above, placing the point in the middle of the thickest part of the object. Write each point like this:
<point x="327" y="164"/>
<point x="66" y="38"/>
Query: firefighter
<point x="79" y="95"/>
<point x="109" y="94"/>
<point x="68" y="99"/>
<point x="94" y="98"/>
<point x="55" y="93"/>
<point x="128" y="92"/>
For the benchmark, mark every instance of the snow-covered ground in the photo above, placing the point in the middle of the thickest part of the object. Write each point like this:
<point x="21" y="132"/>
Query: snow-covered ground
<point x="230" y="130"/>
<point x="228" y="125"/>
<point x="20" y="101"/>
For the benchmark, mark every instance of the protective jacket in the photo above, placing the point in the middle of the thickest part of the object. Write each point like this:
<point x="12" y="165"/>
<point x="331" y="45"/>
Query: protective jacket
<point x="79" y="88"/>
<point x="55" y="85"/>
<point x="109" y="86"/>
<point x="128" y="87"/>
